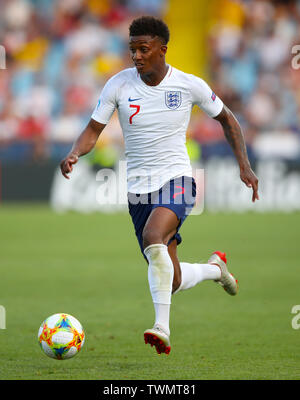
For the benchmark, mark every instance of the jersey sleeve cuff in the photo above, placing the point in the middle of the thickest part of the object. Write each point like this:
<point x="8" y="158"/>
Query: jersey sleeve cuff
<point x="218" y="110"/>
<point x="99" y="119"/>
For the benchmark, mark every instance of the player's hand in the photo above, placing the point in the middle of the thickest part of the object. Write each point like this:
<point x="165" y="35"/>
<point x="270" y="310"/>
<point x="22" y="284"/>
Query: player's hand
<point x="250" y="180"/>
<point x="66" y="165"/>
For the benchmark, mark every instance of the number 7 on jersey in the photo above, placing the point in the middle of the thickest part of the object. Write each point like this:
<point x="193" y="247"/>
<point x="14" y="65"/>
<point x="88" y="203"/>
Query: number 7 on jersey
<point x="136" y="112"/>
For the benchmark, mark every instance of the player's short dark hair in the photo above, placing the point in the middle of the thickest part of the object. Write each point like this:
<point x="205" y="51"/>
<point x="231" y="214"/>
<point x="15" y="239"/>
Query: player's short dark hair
<point x="151" y="26"/>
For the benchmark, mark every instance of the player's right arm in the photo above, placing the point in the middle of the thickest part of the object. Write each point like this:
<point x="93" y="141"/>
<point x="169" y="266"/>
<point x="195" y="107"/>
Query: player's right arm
<point x="83" y="145"/>
<point x="102" y="113"/>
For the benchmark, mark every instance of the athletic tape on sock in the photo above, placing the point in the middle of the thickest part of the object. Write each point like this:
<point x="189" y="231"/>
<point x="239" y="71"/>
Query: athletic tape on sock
<point x="160" y="273"/>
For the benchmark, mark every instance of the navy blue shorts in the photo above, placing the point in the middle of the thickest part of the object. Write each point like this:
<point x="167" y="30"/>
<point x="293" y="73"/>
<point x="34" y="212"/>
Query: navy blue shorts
<point x="178" y="195"/>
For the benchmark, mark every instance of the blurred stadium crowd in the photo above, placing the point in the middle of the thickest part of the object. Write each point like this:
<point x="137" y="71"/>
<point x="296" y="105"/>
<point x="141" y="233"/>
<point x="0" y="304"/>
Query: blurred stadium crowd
<point x="59" y="54"/>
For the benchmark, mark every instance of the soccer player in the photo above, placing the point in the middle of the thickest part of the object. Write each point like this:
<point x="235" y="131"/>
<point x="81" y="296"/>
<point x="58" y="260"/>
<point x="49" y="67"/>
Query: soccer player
<point x="154" y="102"/>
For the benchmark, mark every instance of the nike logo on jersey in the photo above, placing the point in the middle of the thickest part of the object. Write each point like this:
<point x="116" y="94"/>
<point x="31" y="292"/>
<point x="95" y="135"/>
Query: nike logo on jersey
<point x="130" y="99"/>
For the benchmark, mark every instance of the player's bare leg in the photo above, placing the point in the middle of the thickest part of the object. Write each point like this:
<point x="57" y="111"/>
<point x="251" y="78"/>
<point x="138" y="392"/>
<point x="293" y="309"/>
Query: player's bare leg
<point x="159" y="228"/>
<point x="172" y="249"/>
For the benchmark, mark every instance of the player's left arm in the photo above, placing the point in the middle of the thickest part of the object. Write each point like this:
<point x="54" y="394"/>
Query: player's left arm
<point x="235" y="138"/>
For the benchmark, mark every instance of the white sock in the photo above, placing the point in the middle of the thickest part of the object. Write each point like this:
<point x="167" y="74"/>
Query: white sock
<point x="160" y="277"/>
<point x="192" y="274"/>
<point x="162" y="316"/>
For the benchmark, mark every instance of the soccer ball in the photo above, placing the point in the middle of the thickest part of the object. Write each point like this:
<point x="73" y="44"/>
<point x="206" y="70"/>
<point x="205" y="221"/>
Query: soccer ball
<point x="61" y="336"/>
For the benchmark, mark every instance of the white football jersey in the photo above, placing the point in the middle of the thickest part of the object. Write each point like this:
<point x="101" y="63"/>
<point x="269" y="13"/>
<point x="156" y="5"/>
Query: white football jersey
<point x="154" y="120"/>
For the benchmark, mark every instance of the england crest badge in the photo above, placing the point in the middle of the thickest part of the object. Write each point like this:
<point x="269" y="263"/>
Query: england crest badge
<point x="173" y="99"/>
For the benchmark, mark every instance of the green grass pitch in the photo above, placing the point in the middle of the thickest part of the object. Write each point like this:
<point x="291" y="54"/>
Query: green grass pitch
<point x="90" y="266"/>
